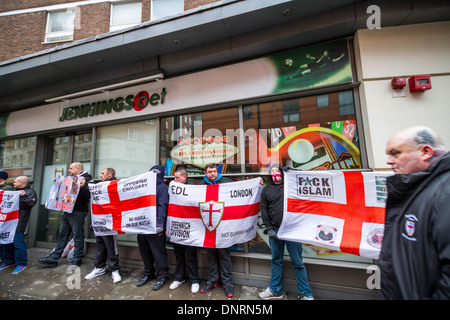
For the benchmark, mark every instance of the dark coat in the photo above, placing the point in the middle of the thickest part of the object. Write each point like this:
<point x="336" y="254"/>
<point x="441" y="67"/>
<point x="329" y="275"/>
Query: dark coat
<point x="272" y="202"/>
<point x="27" y="202"/>
<point x="82" y="203"/>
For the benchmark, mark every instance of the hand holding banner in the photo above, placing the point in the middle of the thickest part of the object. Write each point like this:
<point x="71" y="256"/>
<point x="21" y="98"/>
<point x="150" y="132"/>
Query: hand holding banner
<point x="124" y="206"/>
<point x="213" y="216"/>
<point x="9" y="215"/>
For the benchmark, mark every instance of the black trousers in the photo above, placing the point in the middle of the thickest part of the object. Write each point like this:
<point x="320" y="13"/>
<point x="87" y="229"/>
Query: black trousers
<point x="107" y="251"/>
<point x="186" y="258"/>
<point x="154" y="255"/>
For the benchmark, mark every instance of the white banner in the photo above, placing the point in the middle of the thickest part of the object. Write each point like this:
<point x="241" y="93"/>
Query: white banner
<point x="213" y="216"/>
<point x="126" y="206"/>
<point x="9" y="215"/>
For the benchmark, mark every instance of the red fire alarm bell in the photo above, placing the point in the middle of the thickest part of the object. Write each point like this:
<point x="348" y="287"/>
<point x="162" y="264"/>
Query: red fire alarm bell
<point x="419" y="83"/>
<point x="398" y="82"/>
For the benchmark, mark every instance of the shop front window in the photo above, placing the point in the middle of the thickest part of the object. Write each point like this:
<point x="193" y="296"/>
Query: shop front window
<point x="196" y="139"/>
<point x="308" y="133"/>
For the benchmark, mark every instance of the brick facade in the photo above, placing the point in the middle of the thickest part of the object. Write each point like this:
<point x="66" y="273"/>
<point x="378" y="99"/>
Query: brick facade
<point x="23" y="34"/>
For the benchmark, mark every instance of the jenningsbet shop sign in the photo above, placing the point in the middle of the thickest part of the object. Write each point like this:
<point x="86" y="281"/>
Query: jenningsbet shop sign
<point x="137" y="102"/>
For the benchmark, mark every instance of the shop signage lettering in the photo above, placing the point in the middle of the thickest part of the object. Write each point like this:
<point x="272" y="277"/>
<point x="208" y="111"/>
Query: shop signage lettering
<point x="137" y="102"/>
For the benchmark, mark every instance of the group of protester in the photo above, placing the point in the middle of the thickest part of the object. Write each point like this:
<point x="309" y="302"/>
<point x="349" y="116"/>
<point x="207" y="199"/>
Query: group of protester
<point x="414" y="259"/>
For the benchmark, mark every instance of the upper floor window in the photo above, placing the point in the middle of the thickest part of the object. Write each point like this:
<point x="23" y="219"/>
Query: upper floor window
<point x="165" y="8"/>
<point x="60" y="25"/>
<point x="125" y="14"/>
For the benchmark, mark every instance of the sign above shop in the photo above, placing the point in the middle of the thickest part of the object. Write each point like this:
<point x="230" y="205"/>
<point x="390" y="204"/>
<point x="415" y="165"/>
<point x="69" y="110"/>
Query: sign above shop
<point x="137" y="102"/>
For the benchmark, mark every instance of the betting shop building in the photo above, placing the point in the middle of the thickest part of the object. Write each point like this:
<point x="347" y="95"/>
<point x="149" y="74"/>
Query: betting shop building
<point x="239" y="83"/>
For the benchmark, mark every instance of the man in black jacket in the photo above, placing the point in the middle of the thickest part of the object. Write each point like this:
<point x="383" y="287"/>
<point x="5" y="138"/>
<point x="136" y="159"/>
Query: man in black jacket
<point x="219" y="260"/>
<point x="16" y="252"/>
<point x="73" y="221"/>
<point x="272" y="202"/>
<point x="415" y="256"/>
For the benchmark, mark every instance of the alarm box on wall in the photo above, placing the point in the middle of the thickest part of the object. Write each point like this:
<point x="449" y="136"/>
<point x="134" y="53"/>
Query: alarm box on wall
<point x="419" y="83"/>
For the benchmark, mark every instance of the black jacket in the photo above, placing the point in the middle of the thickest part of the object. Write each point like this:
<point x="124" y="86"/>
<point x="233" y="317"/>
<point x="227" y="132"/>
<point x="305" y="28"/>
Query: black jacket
<point x="27" y="201"/>
<point x="415" y="256"/>
<point x="271" y="203"/>
<point x="82" y="203"/>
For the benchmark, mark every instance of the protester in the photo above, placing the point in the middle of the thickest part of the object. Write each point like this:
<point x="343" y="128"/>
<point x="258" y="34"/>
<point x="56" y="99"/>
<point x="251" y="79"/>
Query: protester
<point x="152" y="247"/>
<point x="72" y="222"/>
<point x="16" y="252"/>
<point x="106" y="246"/>
<point x="415" y="256"/>
<point x="185" y="253"/>
<point x="271" y="204"/>
<point x="6" y="185"/>
<point x="217" y="258"/>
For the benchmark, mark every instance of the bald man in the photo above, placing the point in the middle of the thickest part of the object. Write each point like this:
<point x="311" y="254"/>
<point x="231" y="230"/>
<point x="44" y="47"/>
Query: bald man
<point x="415" y="256"/>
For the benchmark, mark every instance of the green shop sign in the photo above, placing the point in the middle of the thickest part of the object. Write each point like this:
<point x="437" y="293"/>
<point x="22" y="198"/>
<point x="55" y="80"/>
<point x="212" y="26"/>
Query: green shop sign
<point x="137" y="102"/>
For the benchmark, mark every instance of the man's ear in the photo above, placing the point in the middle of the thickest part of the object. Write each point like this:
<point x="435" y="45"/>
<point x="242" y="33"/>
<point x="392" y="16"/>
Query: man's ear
<point x="427" y="153"/>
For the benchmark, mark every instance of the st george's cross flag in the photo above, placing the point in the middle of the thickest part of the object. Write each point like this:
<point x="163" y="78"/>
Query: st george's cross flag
<point x="213" y="216"/>
<point x="9" y="215"/>
<point x="126" y="206"/>
<point x="342" y="211"/>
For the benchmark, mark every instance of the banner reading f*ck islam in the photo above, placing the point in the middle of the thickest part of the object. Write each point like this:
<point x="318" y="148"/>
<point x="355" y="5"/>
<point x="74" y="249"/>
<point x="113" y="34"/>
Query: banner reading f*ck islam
<point x="213" y="216"/>
<point x="126" y="206"/>
<point x="342" y="211"/>
<point x="9" y="215"/>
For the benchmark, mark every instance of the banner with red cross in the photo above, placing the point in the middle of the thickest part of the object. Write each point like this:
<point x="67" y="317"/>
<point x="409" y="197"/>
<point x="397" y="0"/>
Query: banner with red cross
<point x="213" y="216"/>
<point x="126" y="206"/>
<point x="342" y="211"/>
<point x="9" y="215"/>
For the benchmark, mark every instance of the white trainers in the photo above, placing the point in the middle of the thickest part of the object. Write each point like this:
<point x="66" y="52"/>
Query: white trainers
<point x="307" y="298"/>
<point x="95" y="273"/>
<point x="175" y="284"/>
<point x="268" y="294"/>
<point x="195" y="287"/>
<point x="116" y="276"/>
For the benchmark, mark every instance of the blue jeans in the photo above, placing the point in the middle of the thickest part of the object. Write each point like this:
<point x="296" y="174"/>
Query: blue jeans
<point x="295" y="252"/>
<point x="16" y="252"/>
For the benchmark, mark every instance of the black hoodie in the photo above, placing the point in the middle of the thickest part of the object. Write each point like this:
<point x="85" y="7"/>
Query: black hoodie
<point x="415" y="256"/>
<point x="271" y="203"/>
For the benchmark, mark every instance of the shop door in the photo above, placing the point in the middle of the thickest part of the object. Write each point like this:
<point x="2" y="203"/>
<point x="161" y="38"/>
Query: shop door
<point x="60" y="153"/>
